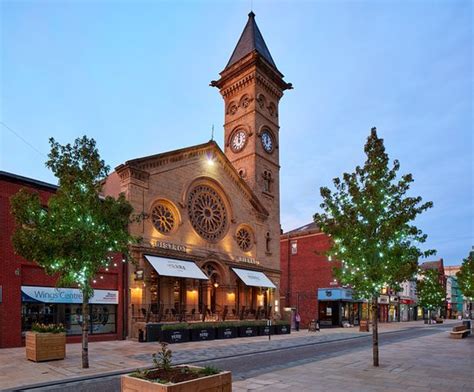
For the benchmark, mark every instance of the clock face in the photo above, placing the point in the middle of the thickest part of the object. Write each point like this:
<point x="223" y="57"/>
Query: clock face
<point x="238" y="140"/>
<point x="267" y="141"/>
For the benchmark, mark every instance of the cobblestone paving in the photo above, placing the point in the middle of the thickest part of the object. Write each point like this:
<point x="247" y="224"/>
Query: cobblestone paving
<point x="434" y="363"/>
<point x="114" y="356"/>
<point x="248" y="348"/>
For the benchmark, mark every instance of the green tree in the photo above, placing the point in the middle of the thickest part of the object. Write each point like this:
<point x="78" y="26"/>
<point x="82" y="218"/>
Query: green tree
<point x="368" y="217"/>
<point x="466" y="279"/>
<point x="430" y="291"/>
<point x="75" y="237"/>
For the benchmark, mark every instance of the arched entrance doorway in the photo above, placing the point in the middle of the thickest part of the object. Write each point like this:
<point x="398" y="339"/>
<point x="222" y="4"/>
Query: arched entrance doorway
<point x="209" y="298"/>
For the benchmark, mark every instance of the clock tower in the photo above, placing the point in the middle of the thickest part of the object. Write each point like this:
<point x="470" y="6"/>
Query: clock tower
<point x="252" y="86"/>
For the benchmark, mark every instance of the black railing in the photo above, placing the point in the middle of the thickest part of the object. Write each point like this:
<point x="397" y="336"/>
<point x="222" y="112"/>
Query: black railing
<point x="172" y="313"/>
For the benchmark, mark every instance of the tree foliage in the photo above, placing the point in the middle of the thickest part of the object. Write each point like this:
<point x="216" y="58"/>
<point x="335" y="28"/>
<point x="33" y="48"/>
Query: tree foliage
<point x="76" y="234"/>
<point x="369" y="217"/>
<point x="430" y="291"/>
<point x="466" y="276"/>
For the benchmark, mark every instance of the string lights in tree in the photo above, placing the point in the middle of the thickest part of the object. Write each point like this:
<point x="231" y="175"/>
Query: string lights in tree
<point x="369" y="218"/>
<point x="78" y="234"/>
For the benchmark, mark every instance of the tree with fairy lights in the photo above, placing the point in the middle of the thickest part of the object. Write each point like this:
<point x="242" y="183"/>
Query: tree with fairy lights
<point x="430" y="291"/>
<point x="77" y="234"/>
<point x="368" y="218"/>
<point x="466" y="280"/>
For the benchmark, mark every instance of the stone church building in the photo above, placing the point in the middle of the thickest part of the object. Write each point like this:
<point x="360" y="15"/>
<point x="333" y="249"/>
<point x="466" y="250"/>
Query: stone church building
<point x="211" y="237"/>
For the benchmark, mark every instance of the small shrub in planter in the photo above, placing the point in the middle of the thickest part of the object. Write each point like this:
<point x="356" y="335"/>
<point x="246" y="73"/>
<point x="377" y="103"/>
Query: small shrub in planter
<point x="164" y="377"/>
<point x="226" y="330"/>
<point x="45" y="342"/>
<point x="202" y="331"/>
<point x="175" y="333"/>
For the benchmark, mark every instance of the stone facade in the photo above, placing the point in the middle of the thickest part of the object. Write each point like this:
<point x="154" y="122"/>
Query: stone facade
<point x="218" y="209"/>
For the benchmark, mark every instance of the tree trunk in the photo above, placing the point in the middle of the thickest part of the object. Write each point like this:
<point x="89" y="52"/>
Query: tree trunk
<point x="375" y="332"/>
<point x="85" y="330"/>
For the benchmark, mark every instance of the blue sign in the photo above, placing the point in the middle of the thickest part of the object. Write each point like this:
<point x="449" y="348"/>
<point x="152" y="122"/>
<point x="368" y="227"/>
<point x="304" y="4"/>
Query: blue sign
<point x="334" y="294"/>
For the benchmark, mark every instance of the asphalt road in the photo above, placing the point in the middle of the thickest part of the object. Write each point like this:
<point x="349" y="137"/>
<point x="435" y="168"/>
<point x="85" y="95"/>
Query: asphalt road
<point x="251" y="365"/>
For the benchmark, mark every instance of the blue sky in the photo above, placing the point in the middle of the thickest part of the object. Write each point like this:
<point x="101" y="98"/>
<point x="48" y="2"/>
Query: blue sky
<point x="134" y="75"/>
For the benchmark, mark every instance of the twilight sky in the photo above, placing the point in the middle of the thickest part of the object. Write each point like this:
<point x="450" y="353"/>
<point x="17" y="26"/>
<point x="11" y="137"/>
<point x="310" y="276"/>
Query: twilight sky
<point x="134" y="75"/>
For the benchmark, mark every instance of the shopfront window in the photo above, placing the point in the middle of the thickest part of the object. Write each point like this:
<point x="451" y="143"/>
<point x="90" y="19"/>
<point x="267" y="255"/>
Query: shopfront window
<point x="102" y="317"/>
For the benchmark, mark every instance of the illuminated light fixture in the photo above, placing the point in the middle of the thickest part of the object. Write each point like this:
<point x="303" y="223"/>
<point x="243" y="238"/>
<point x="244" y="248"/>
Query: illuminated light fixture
<point x="210" y="160"/>
<point x="216" y="285"/>
<point x="139" y="273"/>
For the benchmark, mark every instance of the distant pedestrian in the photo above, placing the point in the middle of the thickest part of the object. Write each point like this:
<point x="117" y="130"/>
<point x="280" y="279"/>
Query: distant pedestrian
<point x="297" y="321"/>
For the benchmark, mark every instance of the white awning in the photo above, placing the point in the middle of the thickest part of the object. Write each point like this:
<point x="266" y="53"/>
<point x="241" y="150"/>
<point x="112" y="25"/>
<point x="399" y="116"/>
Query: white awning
<point x="254" y="278"/>
<point x="177" y="268"/>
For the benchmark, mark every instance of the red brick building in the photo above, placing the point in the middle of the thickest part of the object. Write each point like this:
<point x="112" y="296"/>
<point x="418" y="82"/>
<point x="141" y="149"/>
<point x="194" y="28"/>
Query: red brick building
<point x="438" y="266"/>
<point x="304" y="270"/>
<point x="27" y="294"/>
<point x="308" y="285"/>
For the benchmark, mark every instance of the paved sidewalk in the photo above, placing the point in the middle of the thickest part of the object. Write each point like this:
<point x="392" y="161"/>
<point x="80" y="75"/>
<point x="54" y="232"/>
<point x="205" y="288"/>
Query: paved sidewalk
<point x="434" y="363"/>
<point x="114" y="356"/>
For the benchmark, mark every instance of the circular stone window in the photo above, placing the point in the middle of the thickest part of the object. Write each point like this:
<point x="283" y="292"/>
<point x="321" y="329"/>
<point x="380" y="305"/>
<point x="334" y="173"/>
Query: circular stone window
<point x="163" y="218"/>
<point x="244" y="239"/>
<point x="207" y="212"/>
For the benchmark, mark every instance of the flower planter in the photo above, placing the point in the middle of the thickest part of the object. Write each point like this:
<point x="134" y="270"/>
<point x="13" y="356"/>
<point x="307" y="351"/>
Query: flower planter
<point x="175" y="335"/>
<point x="283" y="329"/>
<point x="248" y="331"/>
<point x="45" y="346"/>
<point x="221" y="382"/>
<point x="226" y="332"/>
<point x="265" y="330"/>
<point x="203" y="334"/>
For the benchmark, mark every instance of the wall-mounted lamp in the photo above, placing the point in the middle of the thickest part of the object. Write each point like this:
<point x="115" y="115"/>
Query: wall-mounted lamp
<point x="139" y="274"/>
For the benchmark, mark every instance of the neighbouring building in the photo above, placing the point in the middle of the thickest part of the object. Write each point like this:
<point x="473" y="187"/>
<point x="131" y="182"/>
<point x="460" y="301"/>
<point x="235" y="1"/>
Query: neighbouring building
<point x="408" y="301"/>
<point x="308" y="285"/>
<point x="210" y="246"/>
<point x="438" y="266"/>
<point x="454" y="298"/>
<point x="28" y="295"/>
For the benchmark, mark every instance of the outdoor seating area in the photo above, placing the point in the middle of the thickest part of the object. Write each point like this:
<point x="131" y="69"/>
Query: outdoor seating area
<point x="161" y="313"/>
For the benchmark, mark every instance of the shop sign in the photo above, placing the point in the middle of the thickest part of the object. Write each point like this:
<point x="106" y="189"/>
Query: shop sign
<point x="383" y="299"/>
<point x="335" y="294"/>
<point x="66" y="295"/>
<point x="248" y="260"/>
<point x="169" y="245"/>
<point x="394" y="299"/>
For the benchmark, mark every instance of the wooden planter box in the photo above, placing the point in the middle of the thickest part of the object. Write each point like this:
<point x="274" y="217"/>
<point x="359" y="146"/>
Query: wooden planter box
<point x="248" y="331"/>
<point x="203" y="334"/>
<point x="45" y="346"/>
<point x="175" y="335"/>
<point x="226" y="332"/>
<point x="221" y="382"/>
<point x="283" y="329"/>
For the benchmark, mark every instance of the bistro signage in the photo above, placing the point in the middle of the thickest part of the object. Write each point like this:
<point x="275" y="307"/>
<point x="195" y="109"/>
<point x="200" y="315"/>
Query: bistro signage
<point x="248" y="260"/>
<point x="168" y="245"/>
<point x="55" y="295"/>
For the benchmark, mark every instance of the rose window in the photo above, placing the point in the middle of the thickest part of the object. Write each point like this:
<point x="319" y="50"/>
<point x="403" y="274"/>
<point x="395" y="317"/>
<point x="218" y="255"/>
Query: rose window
<point x="207" y="212"/>
<point x="163" y="218"/>
<point x="244" y="239"/>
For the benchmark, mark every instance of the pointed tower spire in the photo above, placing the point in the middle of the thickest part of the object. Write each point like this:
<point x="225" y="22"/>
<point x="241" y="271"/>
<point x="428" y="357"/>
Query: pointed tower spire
<point x="251" y="40"/>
